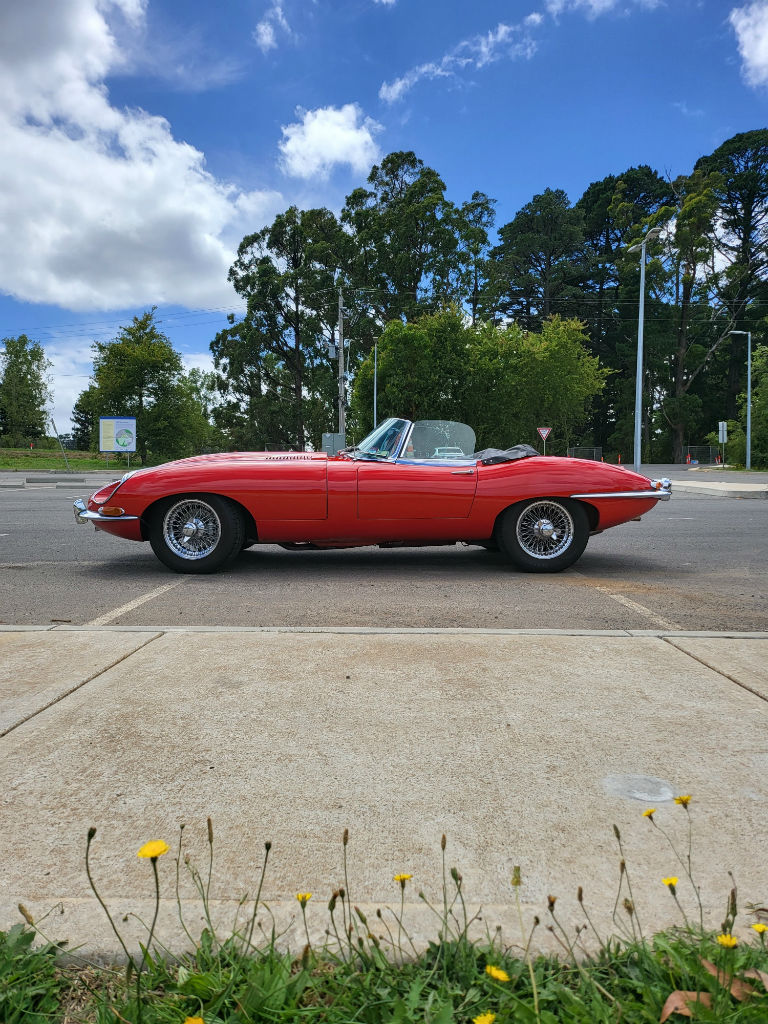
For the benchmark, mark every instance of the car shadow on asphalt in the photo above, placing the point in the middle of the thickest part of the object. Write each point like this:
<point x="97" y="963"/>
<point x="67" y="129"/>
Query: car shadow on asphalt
<point x="338" y="563"/>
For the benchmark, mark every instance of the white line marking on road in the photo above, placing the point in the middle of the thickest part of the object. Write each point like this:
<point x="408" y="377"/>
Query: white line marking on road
<point x="640" y="609"/>
<point x="632" y="605"/>
<point x="125" y="608"/>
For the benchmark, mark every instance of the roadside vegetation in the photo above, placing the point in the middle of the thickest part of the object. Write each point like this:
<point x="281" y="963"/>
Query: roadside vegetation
<point x="368" y="968"/>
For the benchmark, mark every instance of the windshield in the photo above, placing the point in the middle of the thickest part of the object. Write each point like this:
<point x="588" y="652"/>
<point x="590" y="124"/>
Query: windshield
<point x="440" y="440"/>
<point x="384" y="441"/>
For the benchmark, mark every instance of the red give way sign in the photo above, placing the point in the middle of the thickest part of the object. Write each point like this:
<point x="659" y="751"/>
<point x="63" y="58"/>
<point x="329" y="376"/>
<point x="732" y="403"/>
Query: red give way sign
<point x="544" y="432"/>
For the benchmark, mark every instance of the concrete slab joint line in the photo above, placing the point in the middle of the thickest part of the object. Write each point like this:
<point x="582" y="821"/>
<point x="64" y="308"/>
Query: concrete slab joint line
<point x="73" y="689"/>
<point x="715" y="668"/>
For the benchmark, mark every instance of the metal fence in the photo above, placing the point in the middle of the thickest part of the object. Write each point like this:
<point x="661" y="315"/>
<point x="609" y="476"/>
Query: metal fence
<point x="703" y="454"/>
<point x="595" y="454"/>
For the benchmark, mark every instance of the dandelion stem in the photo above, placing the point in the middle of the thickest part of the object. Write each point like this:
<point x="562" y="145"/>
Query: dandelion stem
<point x="527" y="956"/>
<point x="91" y="834"/>
<point x="178" y="894"/>
<point x="267" y="848"/>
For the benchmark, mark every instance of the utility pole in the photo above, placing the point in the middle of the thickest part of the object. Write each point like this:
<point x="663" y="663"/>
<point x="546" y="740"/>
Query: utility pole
<point x="342" y="389"/>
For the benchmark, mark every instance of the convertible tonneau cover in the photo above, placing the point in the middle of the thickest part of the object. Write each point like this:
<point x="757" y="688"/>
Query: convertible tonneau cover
<point x="490" y="456"/>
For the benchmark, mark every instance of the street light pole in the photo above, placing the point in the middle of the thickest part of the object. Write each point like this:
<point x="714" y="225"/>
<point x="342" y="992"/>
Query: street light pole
<point x="375" y="381"/>
<point x="749" y="394"/>
<point x="342" y="395"/>
<point x="653" y="233"/>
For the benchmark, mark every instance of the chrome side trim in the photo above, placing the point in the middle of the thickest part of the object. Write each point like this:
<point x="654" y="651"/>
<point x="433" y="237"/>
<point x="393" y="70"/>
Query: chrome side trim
<point x="82" y="515"/>
<point x="657" y="495"/>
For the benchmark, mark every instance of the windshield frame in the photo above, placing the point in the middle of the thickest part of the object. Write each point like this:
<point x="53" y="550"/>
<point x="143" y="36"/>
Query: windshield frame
<point x="379" y="455"/>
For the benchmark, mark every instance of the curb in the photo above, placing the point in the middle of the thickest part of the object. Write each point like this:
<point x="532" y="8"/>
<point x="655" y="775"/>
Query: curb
<point x="718" y="490"/>
<point x="395" y="631"/>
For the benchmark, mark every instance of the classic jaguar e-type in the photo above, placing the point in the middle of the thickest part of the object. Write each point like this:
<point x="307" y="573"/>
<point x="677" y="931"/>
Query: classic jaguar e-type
<point x="406" y="484"/>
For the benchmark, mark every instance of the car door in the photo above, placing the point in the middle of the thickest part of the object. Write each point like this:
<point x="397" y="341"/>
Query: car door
<point x="414" y="489"/>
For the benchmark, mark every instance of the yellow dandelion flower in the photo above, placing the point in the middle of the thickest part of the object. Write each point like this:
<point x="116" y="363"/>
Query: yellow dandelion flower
<point x="402" y="879"/>
<point x="496" y="973"/>
<point x="303" y="898"/>
<point x="683" y="800"/>
<point x="194" y="1020"/>
<point x="649" y="813"/>
<point x="484" y="1018"/>
<point x="760" y="928"/>
<point x="153" y="849"/>
<point x="729" y="941"/>
<point x="670" y="882"/>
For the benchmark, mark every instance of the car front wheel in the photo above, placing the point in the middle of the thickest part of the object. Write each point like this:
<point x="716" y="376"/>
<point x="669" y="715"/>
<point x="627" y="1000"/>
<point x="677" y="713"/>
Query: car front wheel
<point x="196" y="534"/>
<point x="545" y="534"/>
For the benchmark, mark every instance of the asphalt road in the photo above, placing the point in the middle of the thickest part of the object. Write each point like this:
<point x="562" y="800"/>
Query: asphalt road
<point x="692" y="563"/>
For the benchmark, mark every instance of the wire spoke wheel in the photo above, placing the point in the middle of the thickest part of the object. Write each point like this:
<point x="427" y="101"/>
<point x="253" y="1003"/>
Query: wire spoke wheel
<point x="545" y="529"/>
<point x="543" y="534"/>
<point x="192" y="529"/>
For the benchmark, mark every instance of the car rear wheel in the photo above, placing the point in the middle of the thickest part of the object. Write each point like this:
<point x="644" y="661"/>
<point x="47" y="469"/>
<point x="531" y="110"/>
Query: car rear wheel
<point x="545" y="534"/>
<point x="196" y="534"/>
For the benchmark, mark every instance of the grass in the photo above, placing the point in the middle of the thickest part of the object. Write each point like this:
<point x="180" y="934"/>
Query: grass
<point x="368" y="970"/>
<point x="24" y="459"/>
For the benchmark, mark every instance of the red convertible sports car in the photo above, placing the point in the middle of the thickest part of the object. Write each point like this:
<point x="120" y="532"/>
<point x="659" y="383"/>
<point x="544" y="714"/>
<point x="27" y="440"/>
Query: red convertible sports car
<point x="407" y="484"/>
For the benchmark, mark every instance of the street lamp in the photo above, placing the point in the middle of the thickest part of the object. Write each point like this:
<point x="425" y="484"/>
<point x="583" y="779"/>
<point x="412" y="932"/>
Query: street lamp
<point x="375" y="381"/>
<point x="640" y="247"/>
<point x="749" y="394"/>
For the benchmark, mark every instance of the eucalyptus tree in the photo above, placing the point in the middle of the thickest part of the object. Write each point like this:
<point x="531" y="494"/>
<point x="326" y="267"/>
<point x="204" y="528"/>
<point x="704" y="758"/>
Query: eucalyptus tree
<point x="289" y="274"/>
<point x="475" y="220"/>
<point x="406" y="236"/>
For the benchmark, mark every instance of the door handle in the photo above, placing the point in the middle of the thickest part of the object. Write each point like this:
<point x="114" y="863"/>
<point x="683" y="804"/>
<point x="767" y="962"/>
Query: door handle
<point x="462" y="472"/>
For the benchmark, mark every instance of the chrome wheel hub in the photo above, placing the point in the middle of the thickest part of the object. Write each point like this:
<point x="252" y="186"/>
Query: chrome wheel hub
<point x="191" y="529"/>
<point x="194" y="528"/>
<point x="545" y="529"/>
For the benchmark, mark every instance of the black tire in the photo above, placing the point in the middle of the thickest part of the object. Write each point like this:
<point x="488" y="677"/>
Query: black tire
<point x="544" y="534"/>
<point x="196" y="533"/>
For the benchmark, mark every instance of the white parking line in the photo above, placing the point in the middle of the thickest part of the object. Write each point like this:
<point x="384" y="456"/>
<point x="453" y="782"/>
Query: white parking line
<point x="640" y="609"/>
<point x="125" y="608"/>
<point x="633" y="605"/>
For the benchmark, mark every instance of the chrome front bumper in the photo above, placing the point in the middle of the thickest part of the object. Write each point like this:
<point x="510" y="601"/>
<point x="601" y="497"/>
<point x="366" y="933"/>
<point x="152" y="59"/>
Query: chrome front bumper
<point x="83" y="515"/>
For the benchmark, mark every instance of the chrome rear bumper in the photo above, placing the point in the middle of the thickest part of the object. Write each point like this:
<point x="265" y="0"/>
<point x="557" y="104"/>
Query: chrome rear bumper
<point x="661" y="490"/>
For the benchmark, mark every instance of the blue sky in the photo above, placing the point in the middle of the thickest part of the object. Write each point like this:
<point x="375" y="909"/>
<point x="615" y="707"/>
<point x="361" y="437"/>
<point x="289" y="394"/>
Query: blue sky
<point x="141" y="139"/>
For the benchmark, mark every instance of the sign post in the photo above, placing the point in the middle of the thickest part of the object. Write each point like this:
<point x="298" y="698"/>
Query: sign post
<point x="722" y="437"/>
<point x="544" y="433"/>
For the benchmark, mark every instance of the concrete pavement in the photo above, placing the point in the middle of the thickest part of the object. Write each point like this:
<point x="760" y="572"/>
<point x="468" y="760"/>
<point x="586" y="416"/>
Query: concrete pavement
<point x="524" y="747"/>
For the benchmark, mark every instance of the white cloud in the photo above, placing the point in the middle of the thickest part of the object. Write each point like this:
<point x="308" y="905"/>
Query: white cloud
<point x="326" y="137"/>
<point x="510" y="41"/>
<point x="687" y="111"/>
<point x="386" y="3"/>
<point x="101" y="207"/>
<point x="266" y="31"/>
<point x="513" y="42"/>
<point x="750" y="24"/>
<point x="594" y="8"/>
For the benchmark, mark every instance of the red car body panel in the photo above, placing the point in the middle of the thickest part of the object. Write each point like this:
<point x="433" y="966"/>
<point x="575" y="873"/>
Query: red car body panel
<point x="326" y="500"/>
